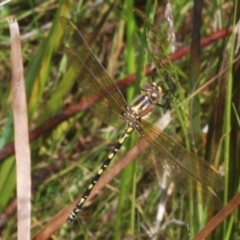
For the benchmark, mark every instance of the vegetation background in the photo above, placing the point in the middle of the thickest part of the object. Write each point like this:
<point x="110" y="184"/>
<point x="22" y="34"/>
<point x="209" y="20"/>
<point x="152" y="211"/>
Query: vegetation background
<point x="68" y="143"/>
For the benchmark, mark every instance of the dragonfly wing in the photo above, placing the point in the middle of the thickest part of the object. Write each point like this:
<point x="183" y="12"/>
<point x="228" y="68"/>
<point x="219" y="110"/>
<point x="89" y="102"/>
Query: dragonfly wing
<point x="158" y="45"/>
<point x="190" y="175"/>
<point x="93" y="78"/>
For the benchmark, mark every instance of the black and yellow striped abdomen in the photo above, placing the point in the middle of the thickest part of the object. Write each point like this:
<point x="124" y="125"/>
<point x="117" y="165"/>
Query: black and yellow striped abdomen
<point x="104" y="166"/>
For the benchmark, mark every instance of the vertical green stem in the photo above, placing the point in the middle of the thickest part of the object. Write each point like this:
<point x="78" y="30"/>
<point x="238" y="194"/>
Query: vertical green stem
<point x="227" y="128"/>
<point x="128" y="173"/>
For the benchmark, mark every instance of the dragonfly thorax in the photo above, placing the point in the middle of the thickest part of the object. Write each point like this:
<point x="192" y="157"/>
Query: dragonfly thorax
<point x="132" y="117"/>
<point x="144" y="104"/>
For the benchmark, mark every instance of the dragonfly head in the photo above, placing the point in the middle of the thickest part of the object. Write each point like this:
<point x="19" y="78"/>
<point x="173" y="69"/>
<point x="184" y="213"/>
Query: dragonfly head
<point x="153" y="92"/>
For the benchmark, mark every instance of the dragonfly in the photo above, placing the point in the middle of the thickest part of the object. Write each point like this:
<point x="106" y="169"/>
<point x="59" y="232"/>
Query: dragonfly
<point x="173" y="163"/>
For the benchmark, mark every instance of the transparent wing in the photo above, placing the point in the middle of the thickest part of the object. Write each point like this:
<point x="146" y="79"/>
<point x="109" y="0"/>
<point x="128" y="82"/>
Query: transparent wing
<point x="93" y="79"/>
<point x="190" y="175"/>
<point x="158" y="46"/>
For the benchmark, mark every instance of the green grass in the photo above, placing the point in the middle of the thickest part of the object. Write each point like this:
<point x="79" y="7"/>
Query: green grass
<point x="66" y="158"/>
